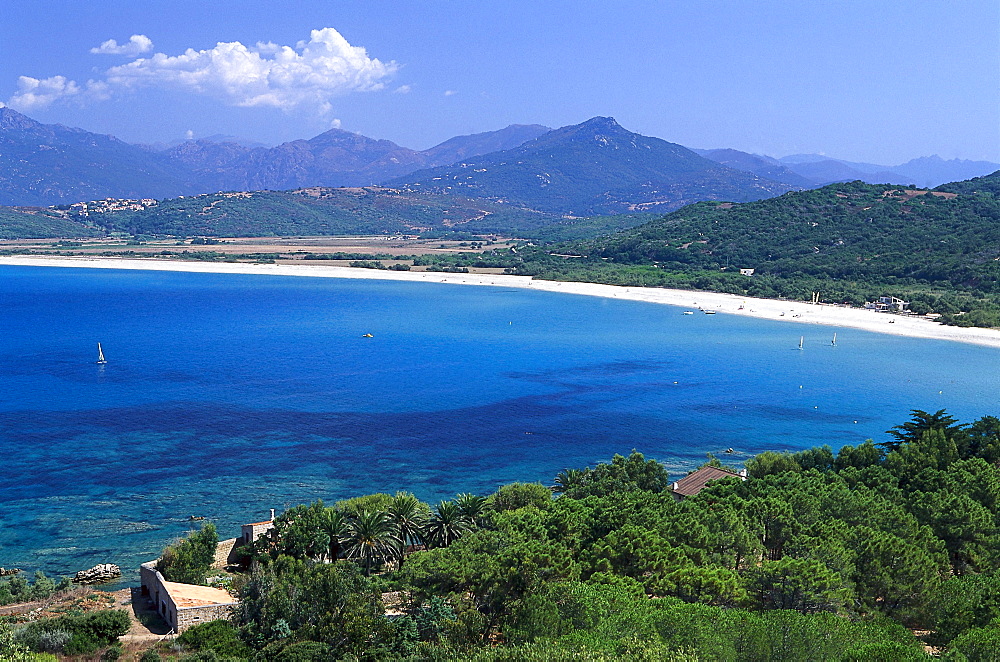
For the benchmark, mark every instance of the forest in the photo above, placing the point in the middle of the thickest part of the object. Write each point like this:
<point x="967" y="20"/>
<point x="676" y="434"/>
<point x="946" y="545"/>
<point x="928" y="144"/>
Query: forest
<point x="880" y="551"/>
<point x="850" y="242"/>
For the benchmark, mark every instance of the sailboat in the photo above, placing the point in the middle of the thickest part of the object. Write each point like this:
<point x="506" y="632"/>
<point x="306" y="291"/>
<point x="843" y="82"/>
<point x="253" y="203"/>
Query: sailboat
<point x="834" y="341"/>
<point x="100" y="355"/>
<point x="801" y="340"/>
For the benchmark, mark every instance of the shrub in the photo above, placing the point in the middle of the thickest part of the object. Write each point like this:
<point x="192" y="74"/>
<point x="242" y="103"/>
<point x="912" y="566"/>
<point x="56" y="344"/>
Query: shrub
<point x="978" y="644"/>
<point x="86" y="633"/>
<point x="216" y="636"/>
<point x="53" y="641"/>
<point x="188" y="560"/>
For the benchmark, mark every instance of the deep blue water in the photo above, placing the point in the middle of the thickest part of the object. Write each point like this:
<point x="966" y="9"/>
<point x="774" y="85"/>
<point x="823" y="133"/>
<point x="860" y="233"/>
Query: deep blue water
<point x="227" y="395"/>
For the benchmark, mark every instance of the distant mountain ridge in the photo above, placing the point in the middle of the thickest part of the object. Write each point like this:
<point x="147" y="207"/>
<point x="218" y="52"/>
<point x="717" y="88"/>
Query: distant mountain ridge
<point x="596" y="167"/>
<point x="43" y="164"/>
<point x="819" y="170"/>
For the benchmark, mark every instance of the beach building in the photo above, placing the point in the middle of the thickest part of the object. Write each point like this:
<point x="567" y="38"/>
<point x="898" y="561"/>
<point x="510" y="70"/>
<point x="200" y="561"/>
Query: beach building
<point x="183" y="605"/>
<point x="250" y="532"/>
<point x="747" y="272"/>
<point x="696" y="481"/>
<point x="887" y="304"/>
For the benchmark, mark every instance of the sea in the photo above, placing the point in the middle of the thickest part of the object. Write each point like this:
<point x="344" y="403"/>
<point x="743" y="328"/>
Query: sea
<point x="226" y="395"/>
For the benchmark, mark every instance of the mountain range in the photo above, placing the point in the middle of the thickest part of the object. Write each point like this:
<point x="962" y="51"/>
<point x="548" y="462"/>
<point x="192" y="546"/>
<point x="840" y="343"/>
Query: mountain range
<point x="596" y="167"/>
<point x="592" y="168"/>
<point x="812" y="170"/>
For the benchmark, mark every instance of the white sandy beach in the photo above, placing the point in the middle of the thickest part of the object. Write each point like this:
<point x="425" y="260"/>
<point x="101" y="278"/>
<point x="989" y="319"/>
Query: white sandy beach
<point x="772" y="309"/>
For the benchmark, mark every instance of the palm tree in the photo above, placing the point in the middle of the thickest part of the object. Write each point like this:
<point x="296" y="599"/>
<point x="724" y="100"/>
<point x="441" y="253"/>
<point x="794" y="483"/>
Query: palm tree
<point x="408" y="515"/>
<point x="446" y="525"/>
<point x="371" y="539"/>
<point x="335" y="526"/>
<point x="472" y="507"/>
<point x="567" y="479"/>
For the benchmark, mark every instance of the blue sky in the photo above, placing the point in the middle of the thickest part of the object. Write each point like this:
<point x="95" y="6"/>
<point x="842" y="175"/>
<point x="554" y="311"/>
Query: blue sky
<point x="878" y="81"/>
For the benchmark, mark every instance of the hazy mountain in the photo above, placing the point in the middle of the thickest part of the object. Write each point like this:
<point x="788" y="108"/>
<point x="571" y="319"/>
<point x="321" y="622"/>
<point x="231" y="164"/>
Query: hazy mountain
<point x="596" y="167"/>
<point x="926" y="171"/>
<point x="465" y="147"/>
<point x="934" y="171"/>
<point x="762" y="166"/>
<point x="828" y="171"/>
<point x="333" y="158"/>
<point x="42" y="164"/>
<point x="45" y="164"/>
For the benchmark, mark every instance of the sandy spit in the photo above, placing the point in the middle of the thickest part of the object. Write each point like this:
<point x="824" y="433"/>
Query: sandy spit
<point x="772" y="309"/>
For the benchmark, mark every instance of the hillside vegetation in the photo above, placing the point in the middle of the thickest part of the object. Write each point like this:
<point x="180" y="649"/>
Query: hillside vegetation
<point x="850" y="242"/>
<point x="817" y="555"/>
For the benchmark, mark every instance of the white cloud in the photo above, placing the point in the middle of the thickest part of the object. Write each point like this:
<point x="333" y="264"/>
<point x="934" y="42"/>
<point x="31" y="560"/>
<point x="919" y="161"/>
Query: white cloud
<point x="403" y="89"/>
<point x="189" y="134"/>
<point x="137" y="43"/>
<point x="335" y="123"/>
<point x="284" y="77"/>
<point x="450" y="93"/>
<point x="307" y="75"/>
<point x="35" y="93"/>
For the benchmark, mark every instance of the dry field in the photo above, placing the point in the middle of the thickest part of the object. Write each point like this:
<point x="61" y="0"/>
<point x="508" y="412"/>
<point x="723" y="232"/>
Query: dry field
<point x="288" y="249"/>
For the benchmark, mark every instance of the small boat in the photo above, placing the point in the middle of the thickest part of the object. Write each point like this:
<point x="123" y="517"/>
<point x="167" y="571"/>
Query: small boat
<point x="368" y="335"/>
<point x="801" y="340"/>
<point x="710" y="312"/>
<point x="100" y="355"/>
<point x="834" y="341"/>
<point x="729" y="451"/>
<point x="688" y="312"/>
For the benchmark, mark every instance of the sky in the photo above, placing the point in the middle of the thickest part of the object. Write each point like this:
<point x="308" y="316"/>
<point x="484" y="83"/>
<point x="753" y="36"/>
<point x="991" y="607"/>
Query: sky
<point x="878" y="81"/>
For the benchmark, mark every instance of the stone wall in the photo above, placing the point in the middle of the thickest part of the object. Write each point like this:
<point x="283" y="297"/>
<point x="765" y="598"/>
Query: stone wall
<point x="223" y="553"/>
<point x="191" y="616"/>
<point x="178" y="619"/>
<point x="152" y="586"/>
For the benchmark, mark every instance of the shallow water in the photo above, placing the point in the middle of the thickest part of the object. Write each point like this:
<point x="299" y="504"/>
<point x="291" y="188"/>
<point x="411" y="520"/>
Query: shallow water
<point x="226" y="395"/>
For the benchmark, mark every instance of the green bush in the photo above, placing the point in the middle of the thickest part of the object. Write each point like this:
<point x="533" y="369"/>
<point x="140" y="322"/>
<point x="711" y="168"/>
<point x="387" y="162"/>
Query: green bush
<point x="217" y="636"/>
<point x="74" y="634"/>
<point x="189" y="560"/>
<point x="979" y="644"/>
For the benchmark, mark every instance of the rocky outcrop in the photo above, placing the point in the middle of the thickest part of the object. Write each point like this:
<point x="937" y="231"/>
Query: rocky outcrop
<point x="5" y="572"/>
<point x="102" y="572"/>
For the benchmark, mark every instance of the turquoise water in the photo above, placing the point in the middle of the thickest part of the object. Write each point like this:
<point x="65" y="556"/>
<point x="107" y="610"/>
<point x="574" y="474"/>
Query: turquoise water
<point x="227" y="395"/>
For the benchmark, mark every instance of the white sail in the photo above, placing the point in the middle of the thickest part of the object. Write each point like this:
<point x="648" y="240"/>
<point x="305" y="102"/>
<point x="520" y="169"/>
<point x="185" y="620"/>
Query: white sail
<point x="100" y="354"/>
<point x="801" y="340"/>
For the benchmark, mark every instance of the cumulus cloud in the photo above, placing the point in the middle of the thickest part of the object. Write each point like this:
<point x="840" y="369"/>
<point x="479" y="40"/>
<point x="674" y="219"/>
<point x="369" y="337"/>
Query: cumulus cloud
<point x="335" y="123"/>
<point x="284" y="77"/>
<point x="35" y="93"/>
<point x="307" y="75"/>
<point x="450" y="93"/>
<point x="137" y="43"/>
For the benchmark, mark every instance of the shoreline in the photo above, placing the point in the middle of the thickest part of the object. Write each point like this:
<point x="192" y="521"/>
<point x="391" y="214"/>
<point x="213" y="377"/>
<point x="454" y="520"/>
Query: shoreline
<point x="732" y="304"/>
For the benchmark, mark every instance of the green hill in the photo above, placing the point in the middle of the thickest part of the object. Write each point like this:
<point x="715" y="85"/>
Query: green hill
<point x="41" y="223"/>
<point x="320" y="211"/>
<point x="851" y="242"/>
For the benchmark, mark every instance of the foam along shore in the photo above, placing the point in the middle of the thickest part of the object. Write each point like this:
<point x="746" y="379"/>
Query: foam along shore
<point x="772" y="309"/>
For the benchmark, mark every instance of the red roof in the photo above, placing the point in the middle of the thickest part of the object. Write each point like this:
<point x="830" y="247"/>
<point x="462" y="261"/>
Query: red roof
<point x="696" y="482"/>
